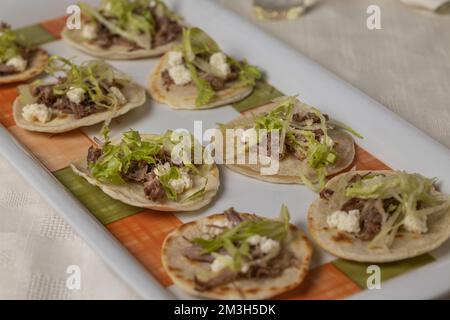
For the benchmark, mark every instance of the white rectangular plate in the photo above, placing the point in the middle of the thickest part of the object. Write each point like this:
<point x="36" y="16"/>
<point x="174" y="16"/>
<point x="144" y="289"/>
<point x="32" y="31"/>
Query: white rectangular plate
<point x="388" y="137"/>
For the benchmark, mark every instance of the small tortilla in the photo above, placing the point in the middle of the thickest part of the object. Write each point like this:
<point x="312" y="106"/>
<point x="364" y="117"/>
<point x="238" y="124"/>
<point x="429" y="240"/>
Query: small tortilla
<point x="346" y="246"/>
<point x="36" y="65"/>
<point x="133" y="193"/>
<point x="290" y="165"/>
<point x="133" y="92"/>
<point x="183" y="270"/>
<point x="183" y="97"/>
<point x="115" y="52"/>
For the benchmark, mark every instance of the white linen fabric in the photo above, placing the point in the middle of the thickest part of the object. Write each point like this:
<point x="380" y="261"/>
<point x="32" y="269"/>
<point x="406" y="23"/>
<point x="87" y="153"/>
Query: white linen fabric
<point x="432" y="5"/>
<point x="403" y="66"/>
<point x="37" y="248"/>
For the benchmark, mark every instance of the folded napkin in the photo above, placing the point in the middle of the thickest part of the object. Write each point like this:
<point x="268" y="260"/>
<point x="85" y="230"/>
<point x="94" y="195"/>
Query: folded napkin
<point x="432" y="5"/>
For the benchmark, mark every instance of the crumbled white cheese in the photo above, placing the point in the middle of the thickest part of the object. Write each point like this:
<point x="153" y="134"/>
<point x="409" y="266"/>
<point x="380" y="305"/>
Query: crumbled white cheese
<point x="343" y="221"/>
<point x="76" y="95"/>
<point x="221" y="262"/>
<point x="184" y="182"/>
<point x="268" y="246"/>
<point x="180" y="75"/>
<point x="89" y="31"/>
<point x="119" y="95"/>
<point x="162" y="169"/>
<point x="415" y="223"/>
<point x="219" y="61"/>
<point x="254" y="240"/>
<point x="37" y="112"/>
<point x="175" y="58"/>
<point x="18" y="63"/>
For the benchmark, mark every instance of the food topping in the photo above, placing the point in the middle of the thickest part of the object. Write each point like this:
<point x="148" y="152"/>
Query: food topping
<point x="375" y="206"/>
<point x="147" y="162"/>
<point x="14" y="54"/>
<point x="76" y="95"/>
<point x="199" y="60"/>
<point x="37" y="112"/>
<point x="89" y="31"/>
<point x="241" y="246"/>
<point x="79" y="90"/>
<point x="345" y="221"/>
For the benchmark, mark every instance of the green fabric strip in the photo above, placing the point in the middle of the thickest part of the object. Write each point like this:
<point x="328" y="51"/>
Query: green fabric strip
<point x="103" y="207"/>
<point x="35" y="35"/>
<point x="262" y="94"/>
<point x="357" y="271"/>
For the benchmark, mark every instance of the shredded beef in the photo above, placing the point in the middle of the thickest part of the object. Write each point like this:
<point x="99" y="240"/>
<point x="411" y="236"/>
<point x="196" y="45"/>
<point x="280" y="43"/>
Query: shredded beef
<point x="326" y="193"/>
<point x="137" y="171"/>
<point x="357" y="177"/>
<point x="353" y="204"/>
<point x="6" y="70"/>
<point x="195" y="253"/>
<point x="297" y="117"/>
<point x="233" y="216"/>
<point x="222" y="278"/>
<point x="167" y="80"/>
<point x="371" y="221"/>
<point x="45" y="95"/>
<point x="93" y="154"/>
<point x="168" y="30"/>
<point x="273" y="268"/>
<point x="215" y="82"/>
<point x="84" y="109"/>
<point x="152" y="187"/>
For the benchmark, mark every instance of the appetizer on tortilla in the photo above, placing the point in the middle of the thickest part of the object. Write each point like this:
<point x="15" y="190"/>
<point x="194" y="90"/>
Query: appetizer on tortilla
<point x="380" y="216"/>
<point x="141" y="170"/>
<point x="18" y="61"/>
<point x="81" y="95"/>
<point x="235" y="255"/>
<point x="310" y="145"/>
<point x="126" y="29"/>
<point x="199" y="75"/>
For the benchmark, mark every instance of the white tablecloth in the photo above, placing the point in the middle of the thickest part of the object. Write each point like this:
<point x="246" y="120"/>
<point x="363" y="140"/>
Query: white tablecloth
<point x="405" y="66"/>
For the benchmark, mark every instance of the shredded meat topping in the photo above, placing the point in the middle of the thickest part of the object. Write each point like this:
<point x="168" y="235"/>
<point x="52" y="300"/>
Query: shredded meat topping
<point x="152" y="187"/>
<point x="93" y="154"/>
<point x="137" y="171"/>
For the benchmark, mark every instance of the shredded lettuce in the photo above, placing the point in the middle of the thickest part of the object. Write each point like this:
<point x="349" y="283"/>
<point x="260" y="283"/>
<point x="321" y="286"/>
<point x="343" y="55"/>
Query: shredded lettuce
<point x="95" y="77"/>
<point x="116" y="159"/>
<point x="248" y="74"/>
<point x="234" y="240"/>
<point x="205" y="92"/>
<point x="196" y="194"/>
<point x="9" y="46"/>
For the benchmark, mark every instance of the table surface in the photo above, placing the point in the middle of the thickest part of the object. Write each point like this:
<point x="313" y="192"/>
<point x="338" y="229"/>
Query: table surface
<point x="405" y="66"/>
